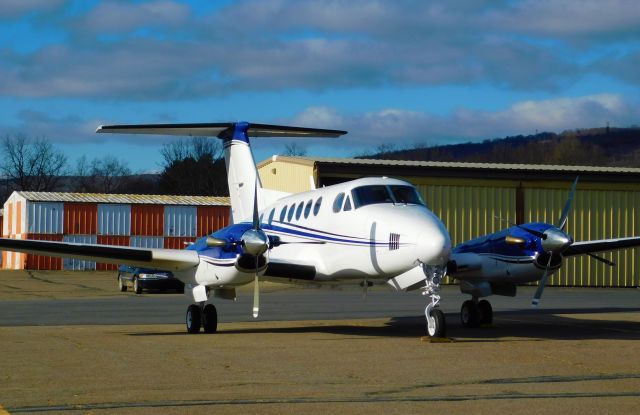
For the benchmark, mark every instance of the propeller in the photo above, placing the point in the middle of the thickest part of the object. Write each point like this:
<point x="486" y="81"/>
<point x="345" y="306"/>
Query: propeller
<point x="554" y="241"/>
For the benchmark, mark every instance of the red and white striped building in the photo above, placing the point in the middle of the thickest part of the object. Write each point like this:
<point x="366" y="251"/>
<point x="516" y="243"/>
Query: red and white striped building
<point x="150" y="221"/>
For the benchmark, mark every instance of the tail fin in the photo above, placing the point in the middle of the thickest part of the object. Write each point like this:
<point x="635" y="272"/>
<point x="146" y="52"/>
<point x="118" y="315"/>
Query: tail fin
<point x="241" y="167"/>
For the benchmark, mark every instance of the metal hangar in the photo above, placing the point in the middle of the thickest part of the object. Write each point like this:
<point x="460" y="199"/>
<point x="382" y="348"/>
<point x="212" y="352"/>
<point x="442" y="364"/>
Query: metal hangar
<point x="146" y="221"/>
<point x="474" y="199"/>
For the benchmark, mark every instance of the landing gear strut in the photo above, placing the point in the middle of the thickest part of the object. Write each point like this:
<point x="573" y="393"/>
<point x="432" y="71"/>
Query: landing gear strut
<point x="200" y="315"/>
<point x="436" y="324"/>
<point x="474" y="313"/>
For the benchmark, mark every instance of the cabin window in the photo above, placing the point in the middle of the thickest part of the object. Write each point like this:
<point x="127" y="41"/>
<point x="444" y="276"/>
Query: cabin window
<point x="299" y="210"/>
<point x="292" y="209"/>
<point x="369" y="195"/>
<point x="307" y="209"/>
<point x="337" y="204"/>
<point x="316" y="207"/>
<point x="283" y="213"/>
<point x="347" y="204"/>
<point x="273" y="212"/>
<point x="406" y="195"/>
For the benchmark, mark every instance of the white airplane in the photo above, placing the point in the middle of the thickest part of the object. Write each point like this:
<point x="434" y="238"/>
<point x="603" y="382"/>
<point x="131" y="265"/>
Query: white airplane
<point x="367" y="231"/>
<point x="496" y="263"/>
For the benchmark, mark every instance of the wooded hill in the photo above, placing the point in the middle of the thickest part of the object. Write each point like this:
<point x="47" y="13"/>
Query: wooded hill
<point x="587" y="147"/>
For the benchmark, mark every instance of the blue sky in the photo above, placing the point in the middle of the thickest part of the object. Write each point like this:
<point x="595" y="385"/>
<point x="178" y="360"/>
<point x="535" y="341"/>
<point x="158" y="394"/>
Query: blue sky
<point x="390" y="72"/>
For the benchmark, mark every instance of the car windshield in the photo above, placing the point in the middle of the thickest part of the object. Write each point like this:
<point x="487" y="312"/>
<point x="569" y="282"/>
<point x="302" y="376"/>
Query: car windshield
<point x="374" y="194"/>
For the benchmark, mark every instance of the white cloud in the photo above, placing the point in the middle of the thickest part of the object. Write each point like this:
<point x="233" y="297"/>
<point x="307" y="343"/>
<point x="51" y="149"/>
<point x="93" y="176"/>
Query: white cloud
<point x="402" y="127"/>
<point x="10" y="9"/>
<point x="112" y="17"/>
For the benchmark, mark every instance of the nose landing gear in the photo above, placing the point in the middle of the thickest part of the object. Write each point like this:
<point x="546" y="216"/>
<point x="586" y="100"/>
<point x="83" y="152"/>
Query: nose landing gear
<point x="436" y="324"/>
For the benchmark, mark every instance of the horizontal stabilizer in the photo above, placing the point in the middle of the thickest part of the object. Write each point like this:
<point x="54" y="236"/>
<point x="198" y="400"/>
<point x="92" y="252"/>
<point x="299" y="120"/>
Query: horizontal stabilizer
<point x="220" y="130"/>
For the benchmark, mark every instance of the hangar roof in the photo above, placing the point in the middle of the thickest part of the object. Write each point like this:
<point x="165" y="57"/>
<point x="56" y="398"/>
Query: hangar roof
<point x="329" y="166"/>
<point x="124" y="198"/>
<point x="450" y="164"/>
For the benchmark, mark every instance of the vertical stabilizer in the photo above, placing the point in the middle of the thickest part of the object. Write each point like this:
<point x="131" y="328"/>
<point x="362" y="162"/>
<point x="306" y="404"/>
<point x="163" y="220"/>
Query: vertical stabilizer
<point x="242" y="174"/>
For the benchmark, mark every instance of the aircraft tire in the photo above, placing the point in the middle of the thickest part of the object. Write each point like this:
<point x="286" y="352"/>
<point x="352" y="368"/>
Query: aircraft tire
<point x="440" y="324"/>
<point x="486" y="312"/>
<point x="121" y="285"/>
<point x="194" y="319"/>
<point x="469" y="314"/>
<point x="210" y="319"/>
<point x="136" y="286"/>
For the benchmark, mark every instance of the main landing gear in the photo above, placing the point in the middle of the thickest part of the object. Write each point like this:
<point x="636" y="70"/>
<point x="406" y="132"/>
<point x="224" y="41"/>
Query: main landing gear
<point x="476" y="313"/>
<point x="436" y="324"/>
<point x="201" y="315"/>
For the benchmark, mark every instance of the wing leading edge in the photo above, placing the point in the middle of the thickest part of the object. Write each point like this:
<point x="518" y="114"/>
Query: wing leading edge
<point x="165" y="259"/>
<point x="603" y="245"/>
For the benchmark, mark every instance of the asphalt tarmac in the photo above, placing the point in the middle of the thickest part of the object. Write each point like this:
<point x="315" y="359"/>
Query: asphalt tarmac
<point x="71" y="344"/>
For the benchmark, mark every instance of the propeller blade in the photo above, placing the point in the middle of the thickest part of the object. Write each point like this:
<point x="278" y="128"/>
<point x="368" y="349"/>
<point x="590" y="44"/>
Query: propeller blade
<point x="256" y="297"/>
<point x="256" y="293"/>
<point x="256" y="217"/>
<point x="601" y="259"/>
<point x="541" y="284"/>
<point x="565" y="212"/>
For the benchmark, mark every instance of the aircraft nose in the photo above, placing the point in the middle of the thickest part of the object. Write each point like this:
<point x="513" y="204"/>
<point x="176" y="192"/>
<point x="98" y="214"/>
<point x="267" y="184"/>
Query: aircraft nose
<point x="434" y="246"/>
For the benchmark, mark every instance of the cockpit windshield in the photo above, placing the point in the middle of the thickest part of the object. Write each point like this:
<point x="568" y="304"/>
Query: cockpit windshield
<point x="375" y="194"/>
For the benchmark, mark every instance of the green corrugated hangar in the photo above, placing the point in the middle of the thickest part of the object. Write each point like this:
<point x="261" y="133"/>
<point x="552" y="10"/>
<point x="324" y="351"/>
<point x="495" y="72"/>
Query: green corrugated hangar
<point x="474" y="199"/>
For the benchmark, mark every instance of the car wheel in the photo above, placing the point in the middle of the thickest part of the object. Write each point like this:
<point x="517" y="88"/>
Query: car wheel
<point x="136" y="286"/>
<point x="121" y="286"/>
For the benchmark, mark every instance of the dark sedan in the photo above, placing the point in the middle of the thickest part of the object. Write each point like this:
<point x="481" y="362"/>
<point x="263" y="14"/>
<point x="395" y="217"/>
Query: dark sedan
<point x="147" y="279"/>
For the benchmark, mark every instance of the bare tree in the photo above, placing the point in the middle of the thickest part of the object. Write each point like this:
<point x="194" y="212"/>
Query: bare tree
<point x="31" y="164"/>
<point x="193" y="166"/>
<point x="102" y="175"/>
<point x="294" y="149"/>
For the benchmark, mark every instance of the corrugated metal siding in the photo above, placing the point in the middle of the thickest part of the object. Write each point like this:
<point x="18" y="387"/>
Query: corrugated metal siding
<point x="470" y="211"/>
<point x="596" y="214"/>
<point x="147" y="241"/>
<point x="44" y="217"/>
<point x="177" y="242"/>
<point x="180" y="220"/>
<point x="147" y="220"/>
<point x="80" y="218"/>
<point x="211" y="218"/>
<point x="79" y="264"/>
<point x="111" y="240"/>
<point x="286" y="177"/>
<point x="114" y="219"/>
<point x="39" y="262"/>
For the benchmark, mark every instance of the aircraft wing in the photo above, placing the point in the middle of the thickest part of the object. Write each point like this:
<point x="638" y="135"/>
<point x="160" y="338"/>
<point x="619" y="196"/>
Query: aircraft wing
<point x="164" y="259"/>
<point x="603" y="245"/>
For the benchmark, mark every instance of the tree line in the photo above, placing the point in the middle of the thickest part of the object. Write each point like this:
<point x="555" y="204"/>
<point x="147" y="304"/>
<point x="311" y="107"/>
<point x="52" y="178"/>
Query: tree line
<point x="190" y="166"/>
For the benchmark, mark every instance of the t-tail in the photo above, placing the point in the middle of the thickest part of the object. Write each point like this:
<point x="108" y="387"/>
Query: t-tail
<point x="242" y="174"/>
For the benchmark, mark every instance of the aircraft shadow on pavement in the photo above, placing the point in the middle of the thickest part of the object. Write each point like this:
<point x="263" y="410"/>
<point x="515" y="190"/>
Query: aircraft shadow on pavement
<point x="546" y="324"/>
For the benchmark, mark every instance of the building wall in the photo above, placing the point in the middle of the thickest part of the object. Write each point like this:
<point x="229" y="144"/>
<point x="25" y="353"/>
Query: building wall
<point x="287" y="176"/>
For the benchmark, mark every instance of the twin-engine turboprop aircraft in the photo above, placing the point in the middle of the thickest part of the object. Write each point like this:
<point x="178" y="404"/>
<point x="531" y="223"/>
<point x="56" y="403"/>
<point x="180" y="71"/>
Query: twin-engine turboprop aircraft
<point x="365" y="231"/>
